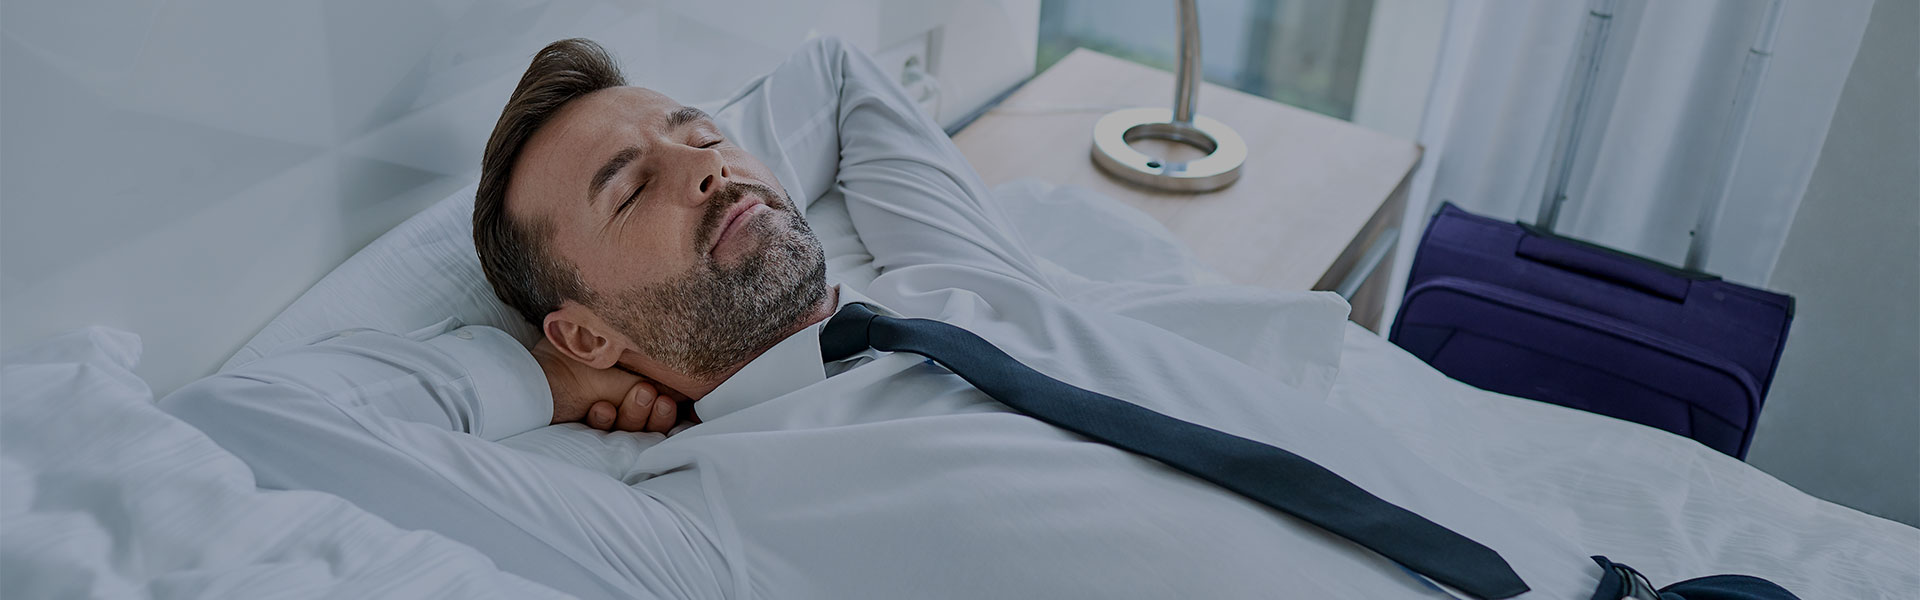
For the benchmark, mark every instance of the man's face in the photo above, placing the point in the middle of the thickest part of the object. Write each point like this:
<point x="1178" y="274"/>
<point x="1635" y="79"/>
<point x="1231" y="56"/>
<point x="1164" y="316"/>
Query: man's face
<point x="686" y="243"/>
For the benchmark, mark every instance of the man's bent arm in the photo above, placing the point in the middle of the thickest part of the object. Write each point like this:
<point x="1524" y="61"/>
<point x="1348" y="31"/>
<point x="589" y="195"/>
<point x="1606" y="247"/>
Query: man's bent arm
<point x="380" y="420"/>
<point x="913" y="197"/>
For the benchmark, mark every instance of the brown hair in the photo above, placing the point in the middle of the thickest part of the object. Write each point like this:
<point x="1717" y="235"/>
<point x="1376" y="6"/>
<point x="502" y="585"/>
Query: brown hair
<point x="514" y="255"/>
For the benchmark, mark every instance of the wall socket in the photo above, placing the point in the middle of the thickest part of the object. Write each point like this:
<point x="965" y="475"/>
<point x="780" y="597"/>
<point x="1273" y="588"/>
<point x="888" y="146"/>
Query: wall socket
<point x="914" y="64"/>
<point x="918" y="48"/>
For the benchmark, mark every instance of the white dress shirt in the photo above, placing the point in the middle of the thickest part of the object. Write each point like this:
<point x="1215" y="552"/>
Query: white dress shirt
<point x="891" y="478"/>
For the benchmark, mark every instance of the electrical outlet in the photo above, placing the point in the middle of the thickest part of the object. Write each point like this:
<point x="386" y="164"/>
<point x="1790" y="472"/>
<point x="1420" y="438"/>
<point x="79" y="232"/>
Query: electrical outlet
<point x="914" y="50"/>
<point x="913" y="65"/>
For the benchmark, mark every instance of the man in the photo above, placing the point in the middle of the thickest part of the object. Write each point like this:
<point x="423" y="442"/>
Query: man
<point x="679" y="257"/>
<point x="666" y="265"/>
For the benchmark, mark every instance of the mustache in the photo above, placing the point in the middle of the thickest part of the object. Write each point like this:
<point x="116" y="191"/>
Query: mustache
<point x="728" y="196"/>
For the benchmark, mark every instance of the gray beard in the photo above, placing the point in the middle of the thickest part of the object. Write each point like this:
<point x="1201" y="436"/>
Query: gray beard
<point x="715" y="317"/>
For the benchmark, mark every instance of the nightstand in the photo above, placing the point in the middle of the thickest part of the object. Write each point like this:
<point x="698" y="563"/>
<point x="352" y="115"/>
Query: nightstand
<point x="1317" y="206"/>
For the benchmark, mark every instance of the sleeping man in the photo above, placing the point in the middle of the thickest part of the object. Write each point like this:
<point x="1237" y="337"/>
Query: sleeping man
<point x="841" y="452"/>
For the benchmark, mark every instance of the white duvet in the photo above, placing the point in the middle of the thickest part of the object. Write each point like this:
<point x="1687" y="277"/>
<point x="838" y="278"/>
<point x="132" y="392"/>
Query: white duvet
<point x="105" y="496"/>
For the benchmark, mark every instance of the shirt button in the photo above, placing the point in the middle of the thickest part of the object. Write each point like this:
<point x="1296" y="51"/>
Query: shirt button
<point x="463" y="334"/>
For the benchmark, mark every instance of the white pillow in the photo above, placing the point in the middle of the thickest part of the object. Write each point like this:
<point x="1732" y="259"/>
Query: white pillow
<point x="426" y="269"/>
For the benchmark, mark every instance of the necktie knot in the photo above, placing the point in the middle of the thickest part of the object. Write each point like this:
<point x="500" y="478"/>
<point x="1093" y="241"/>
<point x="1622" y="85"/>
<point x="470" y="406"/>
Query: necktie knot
<point x="846" y="333"/>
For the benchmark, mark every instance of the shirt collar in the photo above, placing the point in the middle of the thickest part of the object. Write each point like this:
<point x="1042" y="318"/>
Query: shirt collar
<point x="792" y="364"/>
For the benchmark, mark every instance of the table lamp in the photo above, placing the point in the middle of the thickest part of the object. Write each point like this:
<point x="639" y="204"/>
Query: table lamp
<point x="1224" y="149"/>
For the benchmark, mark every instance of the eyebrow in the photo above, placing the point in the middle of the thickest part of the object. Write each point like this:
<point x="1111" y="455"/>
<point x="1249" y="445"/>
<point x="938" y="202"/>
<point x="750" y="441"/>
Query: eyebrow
<point x="620" y="160"/>
<point x="685" y="115"/>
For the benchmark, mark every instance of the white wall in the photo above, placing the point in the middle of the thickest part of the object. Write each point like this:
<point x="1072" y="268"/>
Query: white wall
<point x="1843" y="419"/>
<point x="184" y="169"/>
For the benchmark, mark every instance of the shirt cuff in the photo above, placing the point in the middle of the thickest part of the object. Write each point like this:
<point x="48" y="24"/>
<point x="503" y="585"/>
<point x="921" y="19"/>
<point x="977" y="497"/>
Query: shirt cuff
<point x="511" y="391"/>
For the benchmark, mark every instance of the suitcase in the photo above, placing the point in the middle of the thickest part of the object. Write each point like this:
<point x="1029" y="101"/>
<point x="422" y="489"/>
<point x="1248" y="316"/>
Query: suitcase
<point x="1516" y="309"/>
<point x="1513" y="309"/>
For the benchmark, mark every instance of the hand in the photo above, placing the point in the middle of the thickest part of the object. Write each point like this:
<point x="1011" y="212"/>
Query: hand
<point x="605" y="399"/>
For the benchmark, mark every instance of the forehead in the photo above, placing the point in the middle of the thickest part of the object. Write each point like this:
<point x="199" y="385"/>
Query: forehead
<point x="560" y="157"/>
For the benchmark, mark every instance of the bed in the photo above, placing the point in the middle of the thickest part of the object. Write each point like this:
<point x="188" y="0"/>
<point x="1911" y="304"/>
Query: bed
<point x="104" y="495"/>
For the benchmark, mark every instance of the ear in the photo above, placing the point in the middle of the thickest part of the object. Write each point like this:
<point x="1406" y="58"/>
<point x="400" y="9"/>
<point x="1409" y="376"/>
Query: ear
<point x="582" y="336"/>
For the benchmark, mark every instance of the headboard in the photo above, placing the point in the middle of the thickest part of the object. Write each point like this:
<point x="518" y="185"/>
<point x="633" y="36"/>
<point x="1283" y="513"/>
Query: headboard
<point x="185" y="170"/>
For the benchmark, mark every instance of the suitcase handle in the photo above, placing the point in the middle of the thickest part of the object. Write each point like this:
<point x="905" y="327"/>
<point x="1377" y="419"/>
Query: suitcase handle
<point x="1628" y="271"/>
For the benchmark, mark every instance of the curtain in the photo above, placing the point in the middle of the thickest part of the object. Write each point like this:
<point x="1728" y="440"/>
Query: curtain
<point x="1660" y="138"/>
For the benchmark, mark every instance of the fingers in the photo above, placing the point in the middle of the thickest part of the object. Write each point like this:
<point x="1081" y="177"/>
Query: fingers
<point x="639" y="409"/>
<point x="663" y="415"/>
<point x="601" y="415"/>
<point x="643" y="409"/>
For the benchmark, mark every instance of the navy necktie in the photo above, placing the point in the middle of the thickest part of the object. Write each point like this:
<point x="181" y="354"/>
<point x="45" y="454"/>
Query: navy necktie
<point x="1269" y="475"/>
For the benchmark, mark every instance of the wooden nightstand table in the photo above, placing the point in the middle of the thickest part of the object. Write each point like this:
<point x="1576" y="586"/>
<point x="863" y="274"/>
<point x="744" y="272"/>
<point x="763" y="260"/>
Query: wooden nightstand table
<point x="1317" y="206"/>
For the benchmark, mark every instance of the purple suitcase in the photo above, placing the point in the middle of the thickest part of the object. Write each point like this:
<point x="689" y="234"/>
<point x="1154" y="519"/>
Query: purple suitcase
<point x="1517" y="310"/>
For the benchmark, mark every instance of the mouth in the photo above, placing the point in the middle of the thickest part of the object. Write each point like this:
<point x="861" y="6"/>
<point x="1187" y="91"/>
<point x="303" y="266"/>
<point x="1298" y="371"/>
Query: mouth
<point x="735" y="219"/>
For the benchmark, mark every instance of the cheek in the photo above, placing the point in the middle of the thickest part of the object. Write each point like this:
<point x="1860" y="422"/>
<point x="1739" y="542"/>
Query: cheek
<point x="648" y="250"/>
<point x="620" y="272"/>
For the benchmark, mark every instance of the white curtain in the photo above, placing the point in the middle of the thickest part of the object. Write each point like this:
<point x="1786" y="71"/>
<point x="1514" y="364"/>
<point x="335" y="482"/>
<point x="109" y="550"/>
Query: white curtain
<point x="1652" y="144"/>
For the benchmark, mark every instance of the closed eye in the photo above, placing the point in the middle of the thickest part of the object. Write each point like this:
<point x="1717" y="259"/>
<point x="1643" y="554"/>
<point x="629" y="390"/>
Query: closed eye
<point x="630" y="199"/>
<point x="711" y="144"/>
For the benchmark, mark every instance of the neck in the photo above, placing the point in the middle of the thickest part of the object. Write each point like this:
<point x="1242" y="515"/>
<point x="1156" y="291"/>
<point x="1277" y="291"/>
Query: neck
<point x="695" y="390"/>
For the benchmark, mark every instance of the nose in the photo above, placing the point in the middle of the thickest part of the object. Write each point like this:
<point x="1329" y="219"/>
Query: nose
<point x="709" y="173"/>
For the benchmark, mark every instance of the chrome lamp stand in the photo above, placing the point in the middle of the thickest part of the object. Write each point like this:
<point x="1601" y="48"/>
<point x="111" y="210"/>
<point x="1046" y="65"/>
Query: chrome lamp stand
<point x="1226" y="152"/>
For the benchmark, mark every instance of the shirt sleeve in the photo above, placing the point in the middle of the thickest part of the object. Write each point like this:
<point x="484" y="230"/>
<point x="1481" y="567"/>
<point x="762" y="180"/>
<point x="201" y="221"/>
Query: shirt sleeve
<point x="913" y="197"/>
<point x="383" y="420"/>
<point x="509" y="393"/>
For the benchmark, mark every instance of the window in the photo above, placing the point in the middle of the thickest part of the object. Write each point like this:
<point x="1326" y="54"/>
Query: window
<point x="1306" y="53"/>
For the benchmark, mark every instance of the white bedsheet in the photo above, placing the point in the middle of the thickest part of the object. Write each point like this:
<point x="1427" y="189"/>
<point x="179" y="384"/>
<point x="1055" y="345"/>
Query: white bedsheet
<point x="104" y="496"/>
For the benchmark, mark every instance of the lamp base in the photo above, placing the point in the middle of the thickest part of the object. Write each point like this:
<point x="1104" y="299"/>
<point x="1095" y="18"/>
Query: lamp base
<point x="1112" y="151"/>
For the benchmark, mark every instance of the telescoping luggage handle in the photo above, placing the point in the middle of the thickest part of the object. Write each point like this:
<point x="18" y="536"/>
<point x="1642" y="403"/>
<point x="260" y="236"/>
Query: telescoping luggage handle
<point x="1579" y="98"/>
<point x="1606" y="263"/>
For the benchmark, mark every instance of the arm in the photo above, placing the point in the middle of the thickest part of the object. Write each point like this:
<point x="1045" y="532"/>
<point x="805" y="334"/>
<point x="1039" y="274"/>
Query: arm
<point x="913" y="197"/>
<point x="381" y="420"/>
